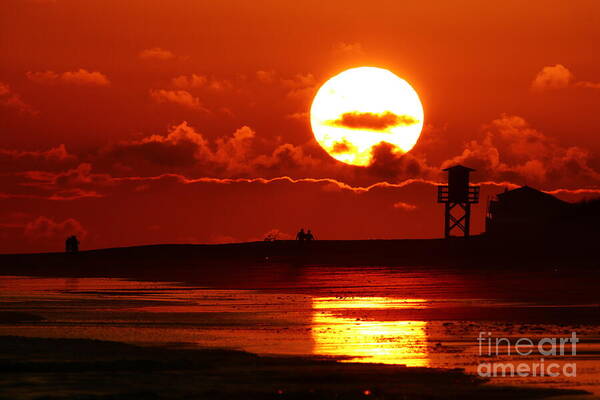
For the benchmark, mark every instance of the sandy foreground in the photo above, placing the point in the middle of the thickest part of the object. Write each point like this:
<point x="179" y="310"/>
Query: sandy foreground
<point x="33" y="368"/>
<point x="552" y="291"/>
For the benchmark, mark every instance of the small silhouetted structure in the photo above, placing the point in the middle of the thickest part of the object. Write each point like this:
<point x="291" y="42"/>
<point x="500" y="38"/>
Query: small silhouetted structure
<point x="72" y="244"/>
<point x="271" y="237"/>
<point x="458" y="194"/>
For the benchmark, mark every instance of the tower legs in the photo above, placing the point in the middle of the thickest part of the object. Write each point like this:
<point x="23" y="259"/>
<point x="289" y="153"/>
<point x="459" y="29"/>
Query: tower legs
<point x="462" y="222"/>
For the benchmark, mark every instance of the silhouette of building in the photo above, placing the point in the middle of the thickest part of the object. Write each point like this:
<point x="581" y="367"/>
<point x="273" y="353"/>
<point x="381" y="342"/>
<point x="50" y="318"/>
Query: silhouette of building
<point x="458" y="196"/>
<point x="526" y="211"/>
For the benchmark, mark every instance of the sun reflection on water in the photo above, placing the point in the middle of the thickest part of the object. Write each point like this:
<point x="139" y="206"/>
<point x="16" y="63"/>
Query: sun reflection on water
<point x="336" y="333"/>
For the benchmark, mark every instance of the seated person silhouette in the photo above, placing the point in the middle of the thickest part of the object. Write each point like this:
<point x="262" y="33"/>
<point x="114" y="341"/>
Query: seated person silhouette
<point x="301" y="236"/>
<point x="309" y="236"/>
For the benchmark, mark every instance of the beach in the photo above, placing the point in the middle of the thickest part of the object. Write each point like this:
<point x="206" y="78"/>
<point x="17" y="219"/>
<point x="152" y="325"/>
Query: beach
<point x="417" y="319"/>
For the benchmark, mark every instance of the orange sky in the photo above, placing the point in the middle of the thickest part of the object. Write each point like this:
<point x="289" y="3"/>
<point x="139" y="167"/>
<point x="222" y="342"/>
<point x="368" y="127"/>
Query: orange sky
<point x="100" y="99"/>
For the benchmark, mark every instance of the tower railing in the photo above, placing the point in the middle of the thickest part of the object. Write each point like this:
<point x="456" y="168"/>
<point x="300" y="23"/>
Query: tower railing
<point x="471" y="195"/>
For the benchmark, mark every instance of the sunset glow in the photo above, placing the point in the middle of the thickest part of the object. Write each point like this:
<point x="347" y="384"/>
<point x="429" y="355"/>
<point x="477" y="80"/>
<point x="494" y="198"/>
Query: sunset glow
<point x="362" y="107"/>
<point x="386" y="342"/>
<point x="161" y="116"/>
<point x="310" y="199"/>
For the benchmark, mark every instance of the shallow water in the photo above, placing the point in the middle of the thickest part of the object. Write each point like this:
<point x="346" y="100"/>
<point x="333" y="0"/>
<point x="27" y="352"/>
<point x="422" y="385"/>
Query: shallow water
<point x="371" y="314"/>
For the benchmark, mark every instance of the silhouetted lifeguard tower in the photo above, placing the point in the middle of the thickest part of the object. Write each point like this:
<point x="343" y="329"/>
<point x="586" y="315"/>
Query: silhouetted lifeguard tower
<point x="458" y="194"/>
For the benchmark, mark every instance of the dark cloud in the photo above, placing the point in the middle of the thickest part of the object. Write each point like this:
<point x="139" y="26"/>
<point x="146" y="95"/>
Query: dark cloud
<point x="388" y="163"/>
<point x="512" y="150"/>
<point x="51" y="159"/>
<point x="286" y="157"/>
<point x="73" y="184"/>
<point x="509" y="151"/>
<point x="372" y="121"/>
<point x="75" y="177"/>
<point x="184" y="149"/>
<point x="341" y="147"/>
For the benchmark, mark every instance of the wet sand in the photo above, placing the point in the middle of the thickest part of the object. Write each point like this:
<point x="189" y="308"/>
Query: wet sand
<point x="418" y="316"/>
<point x="86" y="369"/>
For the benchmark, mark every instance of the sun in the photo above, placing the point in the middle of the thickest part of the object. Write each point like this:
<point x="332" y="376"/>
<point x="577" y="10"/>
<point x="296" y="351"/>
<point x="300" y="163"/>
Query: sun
<point x="360" y="108"/>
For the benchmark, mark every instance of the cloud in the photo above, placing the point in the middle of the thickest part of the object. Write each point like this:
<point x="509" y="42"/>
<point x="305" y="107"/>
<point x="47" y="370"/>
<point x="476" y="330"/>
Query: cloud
<point x="156" y="53"/>
<point x="508" y="150"/>
<point x="559" y="77"/>
<point x="405" y="206"/>
<point x="13" y="100"/>
<point x="44" y="228"/>
<point x="18" y="160"/>
<point x="4" y="89"/>
<point x="299" y="116"/>
<point x="266" y="76"/>
<point x="348" y="49"/>
<point x="297" y="86"/>
<point x="189" y="82"/>
<point x="372" y="121"/>
<point x="76" y="183"/>
<point x="45" y="77"/>
<point x="243" y="154"/>
<point x="195" y="81"/>
<point x="84" y="77"/>
<point x="512" y="150"/>
<point x="326" y="182"/>
<point x="179" y="97"/>
<point x="299" y="81"/>
<point x="552" y="77"/>
<point x="389" y="163"/>
<point x="342" y="147"/>
<point x="286" y="157"/>
<point x="55" y="153"/>
<point x="80" y="77"/>
<point x="219" y="85"/>
<point x="183" y="148"/>
<point x="234" y="150"/>
<point x="588" y="85"/>
<point x="300" y="86"/>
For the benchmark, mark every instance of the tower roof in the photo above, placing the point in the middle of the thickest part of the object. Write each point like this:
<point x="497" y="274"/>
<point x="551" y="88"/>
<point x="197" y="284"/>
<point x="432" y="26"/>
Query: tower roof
<point x="458" y="167"/>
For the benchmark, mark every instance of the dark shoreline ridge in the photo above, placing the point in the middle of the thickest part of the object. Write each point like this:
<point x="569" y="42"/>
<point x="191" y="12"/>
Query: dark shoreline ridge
<point x="92" y="369"/>
<point x="476" y="252"/>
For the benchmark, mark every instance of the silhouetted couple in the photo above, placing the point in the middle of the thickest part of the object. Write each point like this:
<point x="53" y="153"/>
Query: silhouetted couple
<point x="72" y="244"/>
<point x="304" y="236"/>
